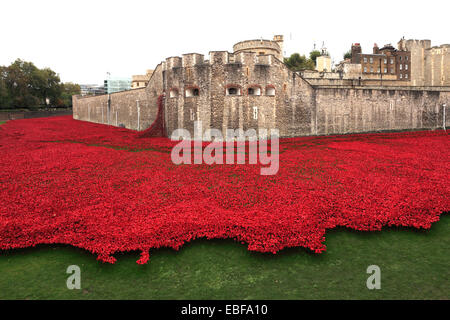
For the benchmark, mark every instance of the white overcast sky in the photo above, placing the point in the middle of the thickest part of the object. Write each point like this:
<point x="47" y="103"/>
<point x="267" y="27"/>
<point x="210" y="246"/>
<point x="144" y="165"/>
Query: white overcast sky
<point x="82" y="40"/>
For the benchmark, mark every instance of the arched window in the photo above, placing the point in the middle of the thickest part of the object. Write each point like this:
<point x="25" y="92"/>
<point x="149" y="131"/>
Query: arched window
<point x="233" y="90"/>
<point x="173" y="93"/>
<point x="192" y="92"/>
<point x="270" y="90"/>
<point x="254" y="90"/>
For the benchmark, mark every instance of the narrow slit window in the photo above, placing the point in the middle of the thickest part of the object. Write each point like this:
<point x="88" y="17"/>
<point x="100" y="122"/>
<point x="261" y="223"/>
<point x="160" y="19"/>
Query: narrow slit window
<point x="255" y="113"/>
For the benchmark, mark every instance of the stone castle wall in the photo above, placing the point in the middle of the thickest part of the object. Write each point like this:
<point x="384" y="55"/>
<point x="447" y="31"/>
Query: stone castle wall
<point x="133" y="109"/>
<point x="286" y="110"/>
<point x="286" y="101"/>
<point x="348" y="110"/>
<point x="437" y="65"/>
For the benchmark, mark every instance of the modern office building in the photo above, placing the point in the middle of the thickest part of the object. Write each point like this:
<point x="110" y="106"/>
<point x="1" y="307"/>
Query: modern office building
<point x="91" y="89"/>
<point x="117" y="84"/>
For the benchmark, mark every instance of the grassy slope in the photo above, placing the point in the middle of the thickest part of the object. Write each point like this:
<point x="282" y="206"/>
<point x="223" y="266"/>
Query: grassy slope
<point x="414" y="265"/>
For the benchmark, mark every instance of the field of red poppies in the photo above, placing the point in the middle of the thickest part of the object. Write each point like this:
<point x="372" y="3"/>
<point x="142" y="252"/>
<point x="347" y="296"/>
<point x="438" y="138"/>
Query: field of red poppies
<point x="109" y="190"/>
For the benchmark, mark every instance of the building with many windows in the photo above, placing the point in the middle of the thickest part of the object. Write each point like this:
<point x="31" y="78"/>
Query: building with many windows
<point x="385" y="62"/>
<point x="91" y="89"/>
<point x="117" y="84"/>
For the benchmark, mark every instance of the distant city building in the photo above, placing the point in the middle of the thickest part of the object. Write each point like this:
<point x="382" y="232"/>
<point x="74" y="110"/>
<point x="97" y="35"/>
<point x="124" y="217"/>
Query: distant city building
<point x="117" y="84"/>
<point x="141" y="81"/>
<point x="91" y="89"/>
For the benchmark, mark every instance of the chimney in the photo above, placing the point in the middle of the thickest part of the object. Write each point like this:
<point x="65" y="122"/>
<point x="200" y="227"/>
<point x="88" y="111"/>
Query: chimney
<point x="376" y="50"/>
<point x="356" y="53"/>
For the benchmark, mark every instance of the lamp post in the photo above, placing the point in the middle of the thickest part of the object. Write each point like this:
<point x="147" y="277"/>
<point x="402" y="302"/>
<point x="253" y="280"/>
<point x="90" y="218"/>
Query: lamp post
<point x="443" y="115"/>
<point x="138" y="116"/>
<point x="381" y="75"/>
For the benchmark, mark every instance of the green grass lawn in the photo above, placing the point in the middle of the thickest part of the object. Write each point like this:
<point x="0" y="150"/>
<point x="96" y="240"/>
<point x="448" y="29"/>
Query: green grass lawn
<point x="2" y="122"/>
<point x="414" y="265"/>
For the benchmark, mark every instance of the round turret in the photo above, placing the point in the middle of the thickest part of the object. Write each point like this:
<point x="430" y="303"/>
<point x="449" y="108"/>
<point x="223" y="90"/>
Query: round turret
<point x="260" y="47"/>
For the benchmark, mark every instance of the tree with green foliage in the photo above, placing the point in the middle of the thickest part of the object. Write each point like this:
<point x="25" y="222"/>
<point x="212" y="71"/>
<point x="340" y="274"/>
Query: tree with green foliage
<point x="314" y="54"/>
<point x="5" y="99"/>
<point x="68" y="90"/>
<point x="23" y="85"/>
<point x="348" y="54"/>
<point x="299" y="62"/>
<point x="22" y="81"/>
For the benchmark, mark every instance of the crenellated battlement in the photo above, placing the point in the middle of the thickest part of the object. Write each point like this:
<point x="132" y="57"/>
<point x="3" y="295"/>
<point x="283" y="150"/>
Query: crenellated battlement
<point x="244" y="58"/>
<point x="173" y="62"/>
<point x="192" y="59"/>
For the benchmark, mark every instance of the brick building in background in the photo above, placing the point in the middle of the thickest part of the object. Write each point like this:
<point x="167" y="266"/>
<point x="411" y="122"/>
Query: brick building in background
<point x="386" y="62"/>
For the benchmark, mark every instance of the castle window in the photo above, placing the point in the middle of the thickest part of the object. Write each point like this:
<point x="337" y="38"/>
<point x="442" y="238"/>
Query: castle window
<point x="192" y="92"/>
<point x="191" y="114"/>
<point x="254" y="91"/>
<point x="371" y="60"/>
<point x="365" y="59"/>
<point x="406" y="67"/>
<point x="401" y="67"/>
<point x="392" y="70"/>
<point x="385" y="70"/>
<point x="233" y="91"/>
<point x="406" y="76"/>
<point x="365" y="69"/>
<point x="385" y="61"/>
<point x="401" y="76"/>
<point x="270" y="91"/>
<point x="255" y="113"/>
<point x="173" y="93"/>
<point x="392" y="61"/>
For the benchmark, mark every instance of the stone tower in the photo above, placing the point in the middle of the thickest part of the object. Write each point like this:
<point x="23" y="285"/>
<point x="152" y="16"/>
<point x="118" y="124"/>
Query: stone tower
<point x="279" y="39"/>
<point x="418" y="51"/>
